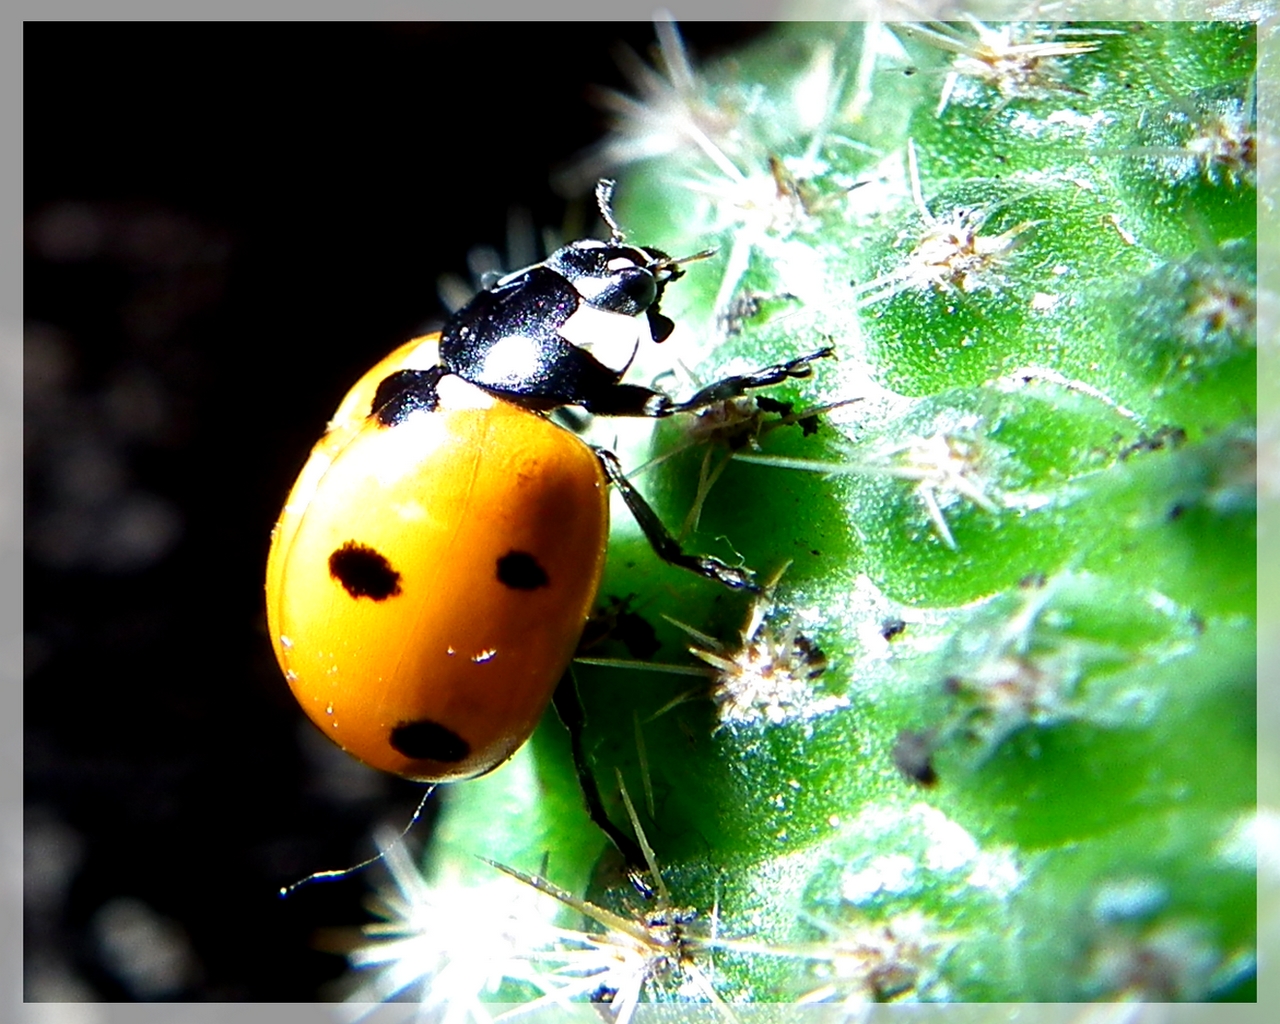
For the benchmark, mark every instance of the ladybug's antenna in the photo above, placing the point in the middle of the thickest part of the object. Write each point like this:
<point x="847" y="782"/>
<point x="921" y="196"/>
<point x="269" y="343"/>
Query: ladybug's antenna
<point x="704" y="254"/>
<point x="675" y="267"/>
<point x="329" y="876"/>
<point x="604" y="200"/>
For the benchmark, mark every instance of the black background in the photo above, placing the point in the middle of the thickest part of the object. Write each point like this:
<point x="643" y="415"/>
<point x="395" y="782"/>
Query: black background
<point x="226" y="224"/>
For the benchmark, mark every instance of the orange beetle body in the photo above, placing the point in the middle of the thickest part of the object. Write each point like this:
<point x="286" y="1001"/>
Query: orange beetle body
<point x="428" y="582"/>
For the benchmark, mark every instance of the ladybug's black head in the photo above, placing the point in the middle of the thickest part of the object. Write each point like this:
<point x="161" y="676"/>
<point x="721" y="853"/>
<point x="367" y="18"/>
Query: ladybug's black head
<point x="621" y="278"/>
<point x="612" y="276"/>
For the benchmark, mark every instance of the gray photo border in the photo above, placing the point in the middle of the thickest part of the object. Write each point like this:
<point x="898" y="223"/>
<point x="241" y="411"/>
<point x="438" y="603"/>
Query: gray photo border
<point x="1265" y="12"/>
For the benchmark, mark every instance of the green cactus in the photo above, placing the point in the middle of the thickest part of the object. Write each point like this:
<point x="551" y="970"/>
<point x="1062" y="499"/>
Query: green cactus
<point x="990" y="733"/>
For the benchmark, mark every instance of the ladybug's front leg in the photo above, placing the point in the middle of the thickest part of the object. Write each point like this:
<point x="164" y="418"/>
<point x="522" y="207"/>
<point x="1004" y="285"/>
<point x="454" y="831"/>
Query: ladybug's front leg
<point x="732" y="387"/>
<point x="632" y="400"/>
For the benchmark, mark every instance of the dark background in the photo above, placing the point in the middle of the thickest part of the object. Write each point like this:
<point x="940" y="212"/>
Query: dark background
<point x="225" y="225"/>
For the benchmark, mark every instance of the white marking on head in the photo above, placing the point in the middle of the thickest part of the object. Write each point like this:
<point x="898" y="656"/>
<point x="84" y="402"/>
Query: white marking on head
<point x="590" y="288"/>
<point x="611" y="338"/>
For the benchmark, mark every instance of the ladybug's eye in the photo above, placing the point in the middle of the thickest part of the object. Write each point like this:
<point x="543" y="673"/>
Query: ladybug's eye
<point x="630" y="291"/>
<point x="612" y="277"/>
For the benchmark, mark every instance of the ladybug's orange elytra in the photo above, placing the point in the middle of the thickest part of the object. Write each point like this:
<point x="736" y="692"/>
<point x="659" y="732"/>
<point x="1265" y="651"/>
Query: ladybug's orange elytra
<point x="427" y="594"/>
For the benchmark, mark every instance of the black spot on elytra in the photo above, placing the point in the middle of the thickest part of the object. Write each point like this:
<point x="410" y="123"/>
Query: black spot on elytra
<point x="363" y="572"/>
<point x="405" y="392"/>
<point x="429" y="741"/>
<point x="519" y="570"/>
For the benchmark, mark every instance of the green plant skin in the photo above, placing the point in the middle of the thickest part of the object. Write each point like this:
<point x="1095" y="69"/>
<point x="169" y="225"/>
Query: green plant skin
<point x="1069" y="828"/>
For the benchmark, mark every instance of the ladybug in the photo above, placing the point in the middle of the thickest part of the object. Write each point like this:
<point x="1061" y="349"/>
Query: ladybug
<point x="437" y="559"/>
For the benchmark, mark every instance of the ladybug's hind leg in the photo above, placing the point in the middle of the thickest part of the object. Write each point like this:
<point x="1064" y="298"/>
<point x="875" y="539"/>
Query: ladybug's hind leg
<point x="569" y="707"/>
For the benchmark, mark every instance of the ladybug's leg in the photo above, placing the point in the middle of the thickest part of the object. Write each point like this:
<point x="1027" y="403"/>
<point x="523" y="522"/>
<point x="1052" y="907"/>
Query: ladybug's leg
<point x="632" y="400"/>
<point x="629" y="400"/>
<point x="732" y="387"/>
<point x="569" y="708"/>
<point x="664" y="545"/>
